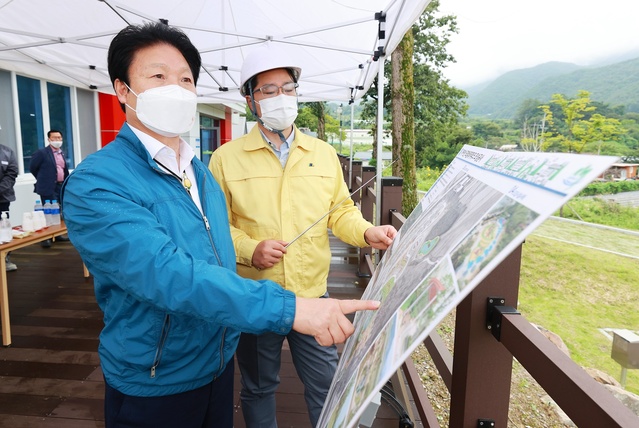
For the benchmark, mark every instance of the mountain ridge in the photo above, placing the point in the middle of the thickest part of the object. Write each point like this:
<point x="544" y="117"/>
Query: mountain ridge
<point x="609" y="82"/>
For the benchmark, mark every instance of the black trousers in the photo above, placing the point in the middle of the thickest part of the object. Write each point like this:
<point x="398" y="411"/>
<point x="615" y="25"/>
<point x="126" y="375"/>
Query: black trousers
<point x="210" y="406"/>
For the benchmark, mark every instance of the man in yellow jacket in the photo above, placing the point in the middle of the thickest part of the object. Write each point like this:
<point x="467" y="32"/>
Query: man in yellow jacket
<point x="279" y="181"/>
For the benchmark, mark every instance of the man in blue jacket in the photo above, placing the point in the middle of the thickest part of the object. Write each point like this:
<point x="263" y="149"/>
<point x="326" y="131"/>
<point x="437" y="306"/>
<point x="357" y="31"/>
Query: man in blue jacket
<point x="150" y="223"/>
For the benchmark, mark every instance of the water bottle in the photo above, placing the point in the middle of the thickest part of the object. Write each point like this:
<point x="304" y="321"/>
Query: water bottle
<point x="47" y="212"/>
<point x="38" y="215"/>
<point x="55" y="212"/>
<point x="6" y="234"/>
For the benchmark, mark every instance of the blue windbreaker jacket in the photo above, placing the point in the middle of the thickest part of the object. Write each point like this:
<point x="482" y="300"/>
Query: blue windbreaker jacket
<point x="164" y="274"/>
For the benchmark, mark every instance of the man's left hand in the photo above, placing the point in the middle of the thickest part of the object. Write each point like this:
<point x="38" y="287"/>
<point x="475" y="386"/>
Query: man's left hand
<point x="380" y="237"/>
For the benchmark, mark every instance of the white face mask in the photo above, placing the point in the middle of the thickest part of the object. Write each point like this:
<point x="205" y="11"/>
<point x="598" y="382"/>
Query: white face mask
<point x="278" y="112"/>
<point x="168" y="110"/>
<point x="56" y="144"/>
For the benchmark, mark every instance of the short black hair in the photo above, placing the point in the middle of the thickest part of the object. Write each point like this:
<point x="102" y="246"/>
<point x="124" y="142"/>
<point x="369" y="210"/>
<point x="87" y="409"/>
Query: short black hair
<point x="53" y="131"/>
<point x="135" y="37"/>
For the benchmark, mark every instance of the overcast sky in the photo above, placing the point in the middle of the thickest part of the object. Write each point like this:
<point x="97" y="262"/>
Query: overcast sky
<point x="496" y="36"/>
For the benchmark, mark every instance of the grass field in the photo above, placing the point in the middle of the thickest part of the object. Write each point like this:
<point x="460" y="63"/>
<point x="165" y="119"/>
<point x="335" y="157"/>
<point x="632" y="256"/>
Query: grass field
<point x="577" y="279"/>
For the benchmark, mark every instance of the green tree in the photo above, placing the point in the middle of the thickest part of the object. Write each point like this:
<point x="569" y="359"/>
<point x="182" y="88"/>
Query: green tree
<point x="331" y="126"/>
<point x="532" y="134"/>
<point x="438" y="106"/>
<point x="443" y="151"/>
<point x="598" y="130"/>
<point x="369" y="110"/>
<point x="484" y="131"/>
<point x="403" y="96"/>
<point x="578" y="124"/>
<point x="528" y="113"/>
<point x="319" y="110"/>
<point x="306" y="118"/>
<point x="249" y="114"/>
<point x="561" y="133"/>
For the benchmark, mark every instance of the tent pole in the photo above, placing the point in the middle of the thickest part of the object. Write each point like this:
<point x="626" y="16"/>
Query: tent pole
<point x="350" y="160"/>
<point x="380" y="134"/>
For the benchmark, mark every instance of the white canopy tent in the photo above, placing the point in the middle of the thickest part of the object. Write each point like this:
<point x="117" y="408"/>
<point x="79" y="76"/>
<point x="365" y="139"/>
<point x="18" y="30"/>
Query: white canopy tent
<point x="336" y="42"/>
<point x="339" y="44"/>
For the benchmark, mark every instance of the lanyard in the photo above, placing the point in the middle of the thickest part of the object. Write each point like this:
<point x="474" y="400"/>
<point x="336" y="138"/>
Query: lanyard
<point x="186" y="183"/>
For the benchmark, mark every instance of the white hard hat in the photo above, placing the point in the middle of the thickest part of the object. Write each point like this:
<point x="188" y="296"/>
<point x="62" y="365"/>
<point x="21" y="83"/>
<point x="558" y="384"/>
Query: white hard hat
<point x="263" y="58"/>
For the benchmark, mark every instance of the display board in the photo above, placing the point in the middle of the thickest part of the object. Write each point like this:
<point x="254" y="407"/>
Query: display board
<point x="479" y="210"/>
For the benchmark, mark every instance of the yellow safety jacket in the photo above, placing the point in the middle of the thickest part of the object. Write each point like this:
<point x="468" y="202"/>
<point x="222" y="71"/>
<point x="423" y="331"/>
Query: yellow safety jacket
<point x="266" y="201"/>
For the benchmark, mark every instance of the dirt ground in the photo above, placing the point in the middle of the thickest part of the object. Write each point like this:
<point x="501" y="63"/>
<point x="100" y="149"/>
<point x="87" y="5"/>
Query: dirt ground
<point x="529" y="407"/>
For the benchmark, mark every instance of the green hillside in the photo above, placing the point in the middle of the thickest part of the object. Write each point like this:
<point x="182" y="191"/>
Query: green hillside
<point x="616" y="84"/>
<point x="508" y="89"/>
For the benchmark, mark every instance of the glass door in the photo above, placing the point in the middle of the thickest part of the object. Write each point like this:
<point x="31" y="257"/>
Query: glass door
<point x="209" y="137"/>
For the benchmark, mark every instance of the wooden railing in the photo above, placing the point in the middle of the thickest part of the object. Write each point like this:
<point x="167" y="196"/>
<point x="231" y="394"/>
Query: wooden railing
<point x="489" y="333"/>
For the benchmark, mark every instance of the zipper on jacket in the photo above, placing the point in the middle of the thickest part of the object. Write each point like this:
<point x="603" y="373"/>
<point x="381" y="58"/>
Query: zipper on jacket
<point x="158" y="353"/>
<point x="207" y="225"/>
<point x="160" y="347"/>
<point x="222" y="350"/>
<point x="219" y="261"/>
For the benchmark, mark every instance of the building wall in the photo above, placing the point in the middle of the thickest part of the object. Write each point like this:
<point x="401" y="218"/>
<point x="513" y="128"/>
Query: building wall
<point x="111" y="118"/>
<point x="29" y="108"/>
<point x="91" y="121"/>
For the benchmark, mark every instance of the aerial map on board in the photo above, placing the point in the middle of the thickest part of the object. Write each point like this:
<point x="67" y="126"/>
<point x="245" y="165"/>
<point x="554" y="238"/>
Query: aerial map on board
<point x="481" y="208"/>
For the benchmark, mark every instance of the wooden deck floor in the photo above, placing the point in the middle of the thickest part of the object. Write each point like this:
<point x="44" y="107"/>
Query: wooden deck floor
<point x="50" y="376"/>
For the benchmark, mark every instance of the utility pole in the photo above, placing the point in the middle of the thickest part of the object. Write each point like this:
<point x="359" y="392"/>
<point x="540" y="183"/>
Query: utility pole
<point x="340" y="110"/>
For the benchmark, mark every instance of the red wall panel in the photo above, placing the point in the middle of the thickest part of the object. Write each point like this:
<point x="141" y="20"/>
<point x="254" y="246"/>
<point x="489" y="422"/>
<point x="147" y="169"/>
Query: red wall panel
<point x="111" y="117"/>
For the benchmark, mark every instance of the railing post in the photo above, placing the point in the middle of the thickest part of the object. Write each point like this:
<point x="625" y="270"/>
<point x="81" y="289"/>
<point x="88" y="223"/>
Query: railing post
<point x="482" y="367"/>
<point x="357" y="172"/>
<point x="343" y="160"/>
<point x="367" y="208"/>
<point x="367" y="200"/>
<point x="391" y="198"/>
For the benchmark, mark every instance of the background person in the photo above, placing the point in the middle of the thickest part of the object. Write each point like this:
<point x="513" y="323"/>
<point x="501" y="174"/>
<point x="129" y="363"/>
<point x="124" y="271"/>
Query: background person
<point x="149" y="221"/>
<point x="278" y="181"/>
<point x="8" y="175"/>
<point x="49" y="168"/>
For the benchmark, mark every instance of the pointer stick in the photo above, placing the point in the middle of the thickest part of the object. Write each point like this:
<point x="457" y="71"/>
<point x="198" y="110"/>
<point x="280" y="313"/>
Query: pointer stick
<point x="337" y="206"/>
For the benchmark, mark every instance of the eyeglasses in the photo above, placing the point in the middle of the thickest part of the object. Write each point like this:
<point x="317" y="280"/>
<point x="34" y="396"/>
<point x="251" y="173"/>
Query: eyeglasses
<point x="272" y="90"/>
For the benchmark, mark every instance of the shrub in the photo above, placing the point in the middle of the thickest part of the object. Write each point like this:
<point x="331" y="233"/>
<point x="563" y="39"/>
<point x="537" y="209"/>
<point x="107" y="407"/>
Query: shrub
<point x="609" y="187"/>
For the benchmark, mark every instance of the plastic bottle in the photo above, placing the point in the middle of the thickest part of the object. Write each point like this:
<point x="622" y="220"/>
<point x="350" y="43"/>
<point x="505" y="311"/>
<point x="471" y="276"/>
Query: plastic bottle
<point x="55" y="212"/>
<point x="6" y="235"/>
<point x="47" y="212"/>
<point x="39" y="219"/>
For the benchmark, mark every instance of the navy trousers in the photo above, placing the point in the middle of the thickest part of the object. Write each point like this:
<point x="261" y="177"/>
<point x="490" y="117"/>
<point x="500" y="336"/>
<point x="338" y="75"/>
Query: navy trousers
<point x="210" y="406"/>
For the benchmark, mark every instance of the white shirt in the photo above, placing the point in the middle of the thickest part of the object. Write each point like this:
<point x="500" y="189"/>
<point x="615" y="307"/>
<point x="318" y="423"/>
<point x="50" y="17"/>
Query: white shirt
<point x="166" y="156"/>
